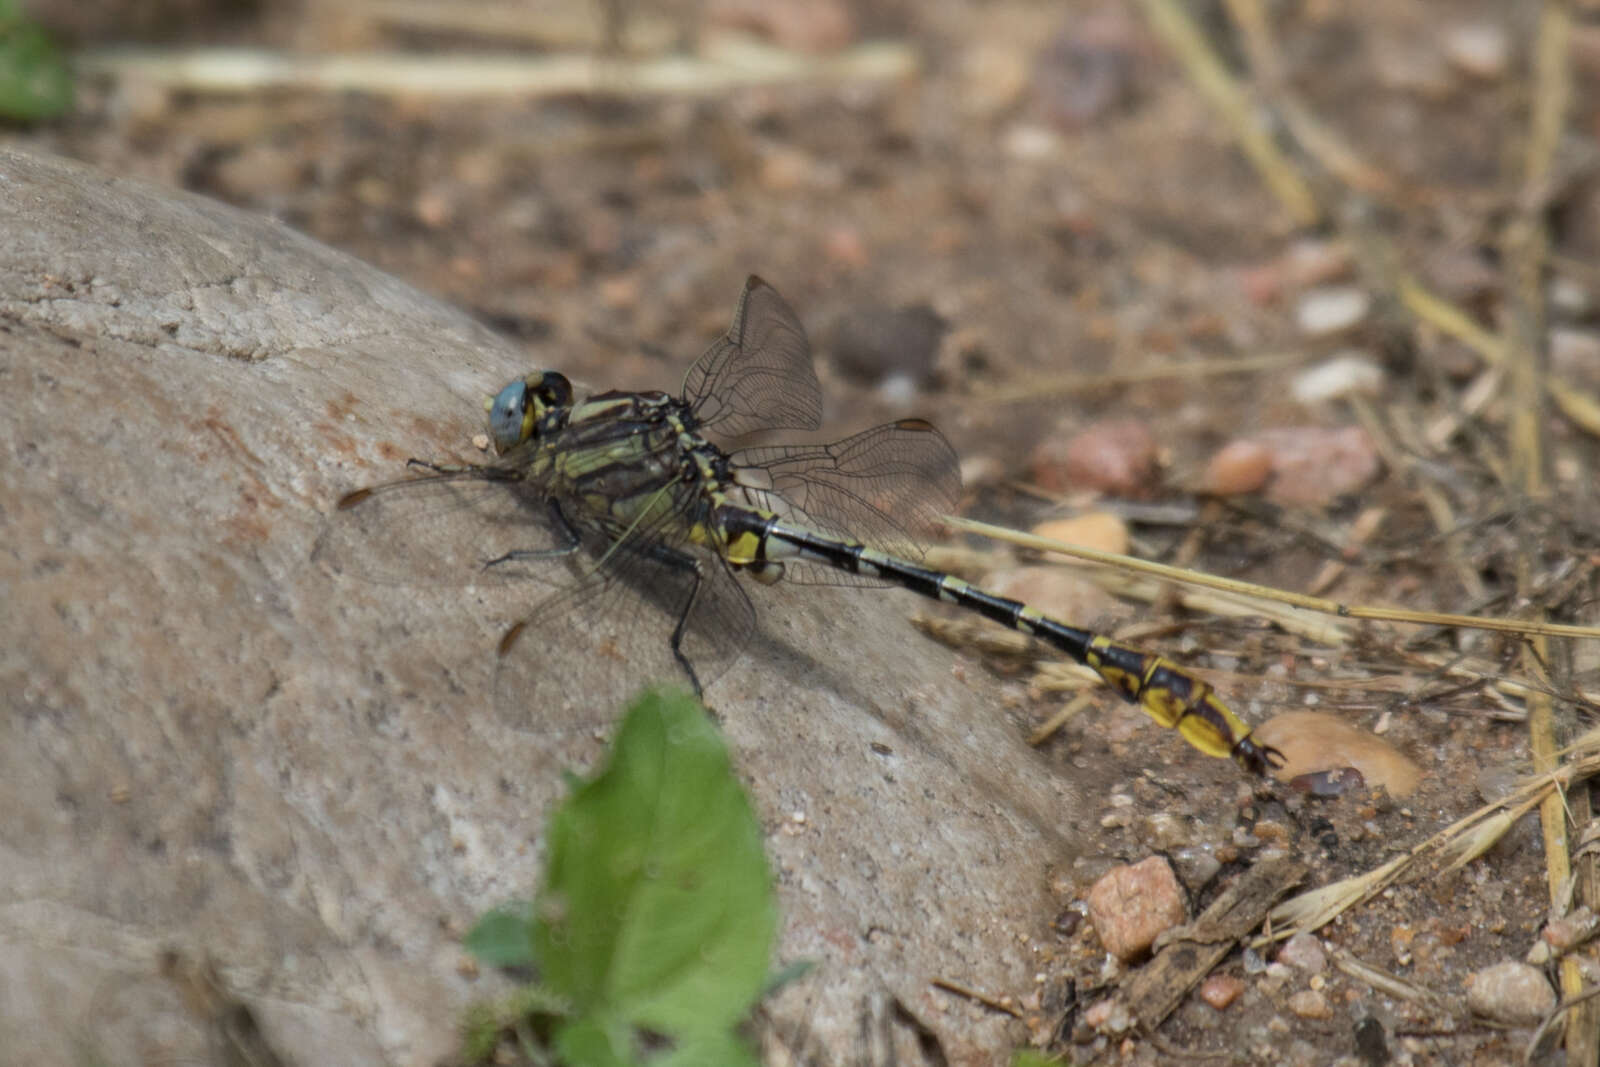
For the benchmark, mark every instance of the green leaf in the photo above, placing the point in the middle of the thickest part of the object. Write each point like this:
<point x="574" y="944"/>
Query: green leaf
<point x="590" y="1042"/>
<point x="1029" y="1057"/>
<point x="34" y="80"/>
<point x="711" y="1050"/>
<point x="503" y="937"/>
<point x="658" y="912"/>
<point x="596" y="1043"/>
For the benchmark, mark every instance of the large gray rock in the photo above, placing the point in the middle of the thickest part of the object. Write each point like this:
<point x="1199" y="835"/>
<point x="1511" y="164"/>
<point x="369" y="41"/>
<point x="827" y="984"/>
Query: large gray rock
<point x="208" y="743"/>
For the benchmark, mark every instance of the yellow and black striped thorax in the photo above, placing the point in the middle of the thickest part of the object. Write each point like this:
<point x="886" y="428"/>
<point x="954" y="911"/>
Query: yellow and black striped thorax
<point x="620" y="459"/>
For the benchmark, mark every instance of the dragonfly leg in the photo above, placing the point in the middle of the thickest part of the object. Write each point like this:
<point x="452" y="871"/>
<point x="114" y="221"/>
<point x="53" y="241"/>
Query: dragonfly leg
<point x="439" y="468"/>
<point x="571" y="542"/>
<point x="689" y="564"/>
<point x="690" y="570"/>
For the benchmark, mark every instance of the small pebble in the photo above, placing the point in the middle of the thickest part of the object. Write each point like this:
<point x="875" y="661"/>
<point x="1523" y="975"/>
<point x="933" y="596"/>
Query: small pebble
<point x="435" y="207"/>
<point x="843" y="246"/>
<point x="1313" y="466"/>
<point x="1569" y="297"/>
<point x="1099" y="530"/>
<point x="1569" y="931"/>
<point x="619" y="292"/>
<point x="1329" y="310"/>
<point x="898" y="390"/>
<point x="1309" y="1004"/>
<point x="1197" y="864"/>
<point x="982" y="471"/>
<point x="1164" y="831"/>
<point x="1307" y="262"/>
<point x="1116" y="456"/>
<point x="786" y="169"/>
<point x="1029" y="142"/>
<point x="1303" y="951"/>
<point x="1481" y="49"/>
<point x="1221" y="990"/>
<point x="1314" y="261"/>
<point x="1314" y="741"/>
<point x="1237" y="467"/>
<point x="1496" y="781"/>
<point x="993" y="76"/>
<point x="1512" y="993"/>
<point x="1261" y="283"/>
<point x="1132" y="905"/>
<point x="1108" y="1015"/>
<point x="1575" y="357"/>
<point x="1346" y="374"/>
<point x="1066" y="924"/>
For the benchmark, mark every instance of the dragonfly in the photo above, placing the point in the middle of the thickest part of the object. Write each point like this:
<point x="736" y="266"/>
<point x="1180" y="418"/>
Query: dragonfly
<point x="653" y="507"/>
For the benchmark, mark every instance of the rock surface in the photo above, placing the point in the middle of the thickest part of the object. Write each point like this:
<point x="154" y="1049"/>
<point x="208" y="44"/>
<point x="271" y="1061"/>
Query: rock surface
<point x="211" y="745"/>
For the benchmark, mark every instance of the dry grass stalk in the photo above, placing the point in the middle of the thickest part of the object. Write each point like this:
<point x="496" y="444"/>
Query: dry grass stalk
<point x="725" y="65"/>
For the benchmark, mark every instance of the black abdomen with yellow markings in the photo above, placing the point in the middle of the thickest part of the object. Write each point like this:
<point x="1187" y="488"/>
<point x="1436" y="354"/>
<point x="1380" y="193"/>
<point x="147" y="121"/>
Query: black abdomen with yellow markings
<point x="1170" y="695"/>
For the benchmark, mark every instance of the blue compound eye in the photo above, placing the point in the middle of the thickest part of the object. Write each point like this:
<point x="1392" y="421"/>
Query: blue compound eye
<point x="518" y="410"/>
<point x="511" y="417"/>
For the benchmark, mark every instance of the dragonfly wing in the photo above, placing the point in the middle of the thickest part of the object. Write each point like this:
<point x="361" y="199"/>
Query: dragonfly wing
<point x="439" y="529"/>
<point x="887" y="487"/>
<point x="757" y="376"/>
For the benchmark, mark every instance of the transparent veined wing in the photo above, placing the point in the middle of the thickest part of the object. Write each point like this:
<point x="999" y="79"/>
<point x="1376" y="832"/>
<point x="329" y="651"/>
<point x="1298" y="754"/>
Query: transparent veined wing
<point x="442" y="527"/>
<point x="886" y="487"/>
<point x="758" y="375"/>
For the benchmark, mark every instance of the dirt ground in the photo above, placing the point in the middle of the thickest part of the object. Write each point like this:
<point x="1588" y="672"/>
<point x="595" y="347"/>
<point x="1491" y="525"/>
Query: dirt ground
<point x="1041" y="226"/>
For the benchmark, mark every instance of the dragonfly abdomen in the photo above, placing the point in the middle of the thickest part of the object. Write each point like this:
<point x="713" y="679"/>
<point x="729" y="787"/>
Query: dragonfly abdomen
<point x="1169" y="694"/>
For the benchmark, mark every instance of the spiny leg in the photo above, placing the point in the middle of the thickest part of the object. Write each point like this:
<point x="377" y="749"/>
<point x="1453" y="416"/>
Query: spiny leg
<point x="558" y="520"/>
<point x="680" y="563"/>
<point x="687" y="564"/>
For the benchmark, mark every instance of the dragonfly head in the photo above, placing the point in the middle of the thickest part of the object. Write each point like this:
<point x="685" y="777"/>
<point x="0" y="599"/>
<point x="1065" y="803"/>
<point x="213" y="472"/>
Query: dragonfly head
<point x="517" y="411"/>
